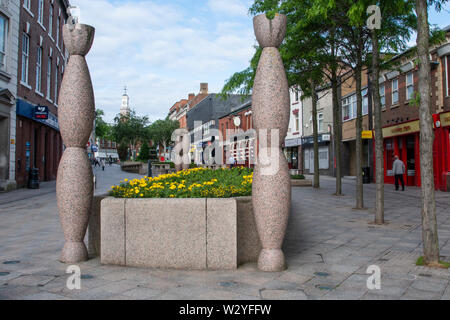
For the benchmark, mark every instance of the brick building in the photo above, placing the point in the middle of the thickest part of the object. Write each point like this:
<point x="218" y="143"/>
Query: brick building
<point x="41" y="60"/>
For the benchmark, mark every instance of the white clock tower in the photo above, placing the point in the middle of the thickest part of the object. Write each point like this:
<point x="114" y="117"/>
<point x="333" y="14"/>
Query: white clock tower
<point x="125" y="108"/>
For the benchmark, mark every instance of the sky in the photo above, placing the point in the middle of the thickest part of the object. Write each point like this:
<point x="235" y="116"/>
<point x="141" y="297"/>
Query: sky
<point x="161" y="50"/>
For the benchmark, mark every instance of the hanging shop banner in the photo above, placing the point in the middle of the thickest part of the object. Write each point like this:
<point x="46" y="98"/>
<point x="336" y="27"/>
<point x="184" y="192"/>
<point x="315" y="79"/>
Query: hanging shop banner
<point x="41" y="112"/>
<point x="367" y="134"/>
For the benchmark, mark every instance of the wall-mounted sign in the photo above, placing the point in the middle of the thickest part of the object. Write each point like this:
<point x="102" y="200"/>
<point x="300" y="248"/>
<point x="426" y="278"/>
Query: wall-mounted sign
<point x="326" y="137"/>
<point x="41" y="112"/>
<point x="445" y="119"/>
<point x="13" y="141"/>
<point x="366" y="134"/>
<point x="404" y="128"/>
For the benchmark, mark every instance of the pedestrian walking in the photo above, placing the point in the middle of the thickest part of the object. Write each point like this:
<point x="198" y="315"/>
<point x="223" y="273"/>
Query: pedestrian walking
<point x="399" y="170"/>
<point x="231" y="162"/>
<point x="103" y="164"/>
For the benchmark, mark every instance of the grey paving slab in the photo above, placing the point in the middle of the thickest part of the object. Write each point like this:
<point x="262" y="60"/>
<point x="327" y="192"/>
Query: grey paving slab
<point x="328" y="248"/>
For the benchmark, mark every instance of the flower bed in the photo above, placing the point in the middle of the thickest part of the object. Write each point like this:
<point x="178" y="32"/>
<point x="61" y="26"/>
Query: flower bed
<point x="192" y="183"/>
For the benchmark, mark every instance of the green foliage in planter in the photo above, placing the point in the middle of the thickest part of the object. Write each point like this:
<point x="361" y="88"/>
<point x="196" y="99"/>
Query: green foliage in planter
<point x="192" y="183"/>
<point x="297" y="177"/>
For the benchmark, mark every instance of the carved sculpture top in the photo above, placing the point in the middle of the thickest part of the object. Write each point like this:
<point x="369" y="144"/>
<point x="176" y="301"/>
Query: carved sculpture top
<point x="78" y="38"/>
<point x="270" y="33"/>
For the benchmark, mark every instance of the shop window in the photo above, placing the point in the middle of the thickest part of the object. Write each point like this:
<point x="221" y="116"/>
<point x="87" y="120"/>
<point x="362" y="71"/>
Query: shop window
<point x="389" y="156"/>
<point x="323" y="158"/>
<point x="307" y="159"/>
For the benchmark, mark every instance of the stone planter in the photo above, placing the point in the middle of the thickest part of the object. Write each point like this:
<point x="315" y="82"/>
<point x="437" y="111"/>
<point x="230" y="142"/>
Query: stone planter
<point x="193" y="234"/>
<point x="301" y="183"/>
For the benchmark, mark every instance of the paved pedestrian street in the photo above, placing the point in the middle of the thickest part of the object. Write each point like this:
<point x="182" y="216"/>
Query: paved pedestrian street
<point x="328" y="248"/>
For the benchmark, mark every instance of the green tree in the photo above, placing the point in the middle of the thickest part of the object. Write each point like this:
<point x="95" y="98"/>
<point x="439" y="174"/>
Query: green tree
<point x="160" y="132"/>
<point x="130" y="129"/>
<point x="144" y="153"/>
<point x="102" y="129"/>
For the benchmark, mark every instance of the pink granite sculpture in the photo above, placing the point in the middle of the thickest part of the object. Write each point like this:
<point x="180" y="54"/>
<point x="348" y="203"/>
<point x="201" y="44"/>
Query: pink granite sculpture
<point x="74" y="185"/>
<point x="271" y="181"/>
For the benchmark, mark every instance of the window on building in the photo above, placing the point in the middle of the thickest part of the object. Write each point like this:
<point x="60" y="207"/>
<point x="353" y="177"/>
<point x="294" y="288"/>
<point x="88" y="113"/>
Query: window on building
<point x="323" y="158"/>
<point x="25" y="57"/>
<point x="349" y="108"/>
<point x="3" y="39"/>
<point x="296" y="95"/>
<point x="26" y="4"/>
<point x="58" y="22"/>
<point x="41" y="11"/>
<point x="297" y="123"/>
<point x="447" y="68"/>
<point x="383" y="95"/>
<point x="320" y="121"/>
<point x="39" y="69"/>
<point x="365" y="100"/>
<point x="50" y="20"/>
<point x="56" y="82"/>
<point x="395" y="91"/>
<point x="409" y="86"/>
<point x="49" y="77"/>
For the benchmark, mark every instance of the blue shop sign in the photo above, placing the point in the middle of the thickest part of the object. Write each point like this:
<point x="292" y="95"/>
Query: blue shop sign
<point x="27" y="110"/>
<point x="41" y="112"/>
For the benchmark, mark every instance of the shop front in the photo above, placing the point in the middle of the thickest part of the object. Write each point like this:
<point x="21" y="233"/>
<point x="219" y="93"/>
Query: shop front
<point x="403" y="140"/>
<point x="325" y="155"/>
<point x="293" y="153"/>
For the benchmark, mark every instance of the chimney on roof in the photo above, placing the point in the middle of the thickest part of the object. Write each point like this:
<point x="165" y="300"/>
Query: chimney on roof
<point x="203" y="88"/>
<point x="191" y="96"/>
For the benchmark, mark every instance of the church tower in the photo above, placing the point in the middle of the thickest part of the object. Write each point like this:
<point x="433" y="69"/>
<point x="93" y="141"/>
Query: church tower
<point x="125" y="108"/>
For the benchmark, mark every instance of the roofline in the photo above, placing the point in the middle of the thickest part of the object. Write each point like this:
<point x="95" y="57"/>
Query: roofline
<point x="242" y="107"/>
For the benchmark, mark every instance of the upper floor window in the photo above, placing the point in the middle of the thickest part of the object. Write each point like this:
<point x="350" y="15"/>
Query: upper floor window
<point x="409" y="86"/>
<point x="394" y="91"/>
<point x="56" y="81"/>
<point x="297" y="123"/>
<point x="447" y="68"/>
<point x="319" y="122"/>
<point x="296" y="96"/>
<point x="383" y="95"/>
<point x="365" y="99"/>
<point x="349" y="108"/>
<point x="25" y="57"/>
<point x="50" y="21"/>
<point x="41" y="11"/>
<point x="27" y="4"/>
<point x="58" y="22"/>
<point x="49" y="77"/>
<point x="3" y="39"/>
<point x="39" y="69"/>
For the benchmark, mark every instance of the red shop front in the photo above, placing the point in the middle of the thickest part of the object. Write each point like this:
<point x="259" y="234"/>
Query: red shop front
<point x="404" y="140"/>
<point x="444" y="134"/>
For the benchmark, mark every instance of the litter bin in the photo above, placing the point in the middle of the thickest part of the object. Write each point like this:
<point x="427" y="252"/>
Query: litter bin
<point x="33" y="179"/>
<point x="366" y="175"/>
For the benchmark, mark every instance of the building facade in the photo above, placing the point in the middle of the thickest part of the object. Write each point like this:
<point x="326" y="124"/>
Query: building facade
<point x="9" y="34"/>
<point x="203" y="124"/>
<point x="293" y="142"/>
<point x="325" y="128"/>
<point x="400" y="116"/>
<point x="42" y="58"/>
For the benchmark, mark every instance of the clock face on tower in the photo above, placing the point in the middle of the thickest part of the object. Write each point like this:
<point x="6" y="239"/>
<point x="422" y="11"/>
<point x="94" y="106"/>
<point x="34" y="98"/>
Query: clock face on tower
<point x="237" y="121"/>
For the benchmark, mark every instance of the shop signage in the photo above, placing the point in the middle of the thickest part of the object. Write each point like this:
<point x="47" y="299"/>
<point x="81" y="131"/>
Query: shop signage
<point x="13" y="141"/>
<point x="41" y="112"/>
<point x="445" y="119"/>
<point x="367" y="134"/>
<point x="293" y="142"/>
<point x="404" y="128"/>
<point x="326" y="137"/>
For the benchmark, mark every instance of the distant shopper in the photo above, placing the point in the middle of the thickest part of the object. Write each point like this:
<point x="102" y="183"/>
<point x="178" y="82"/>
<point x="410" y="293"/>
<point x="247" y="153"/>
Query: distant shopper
<point x="110" y="161"/>
<point x="103" y="164"/>
<point x="231" y="162"/>
<point x="399" y="171"/>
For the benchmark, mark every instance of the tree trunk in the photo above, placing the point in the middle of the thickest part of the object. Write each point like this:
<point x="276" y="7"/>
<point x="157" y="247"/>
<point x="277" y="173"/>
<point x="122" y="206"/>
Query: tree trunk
<point x="379" y="160"/>
<point x="337" y="119"/>
<point x="315" y="136"/>
<point x="429" y="224"/>
<point x="359" y="177"/>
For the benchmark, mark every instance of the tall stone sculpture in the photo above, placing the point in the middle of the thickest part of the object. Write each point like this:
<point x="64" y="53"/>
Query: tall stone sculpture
<point x="74" y="186"/>
<point x="271" y="181"/>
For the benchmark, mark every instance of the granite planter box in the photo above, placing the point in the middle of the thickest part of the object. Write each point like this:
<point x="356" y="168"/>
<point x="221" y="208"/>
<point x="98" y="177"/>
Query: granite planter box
<point x="301" y="183"/>
<point x="193" y="234"/>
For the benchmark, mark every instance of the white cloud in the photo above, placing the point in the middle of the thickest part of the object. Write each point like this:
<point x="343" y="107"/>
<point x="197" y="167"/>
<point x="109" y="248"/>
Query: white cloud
<point x="163" y="51"/>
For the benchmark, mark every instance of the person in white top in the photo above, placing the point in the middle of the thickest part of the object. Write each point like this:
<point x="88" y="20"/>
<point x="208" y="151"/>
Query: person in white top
<point x="231" y="161"/>
<point x="399" y="170"/>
